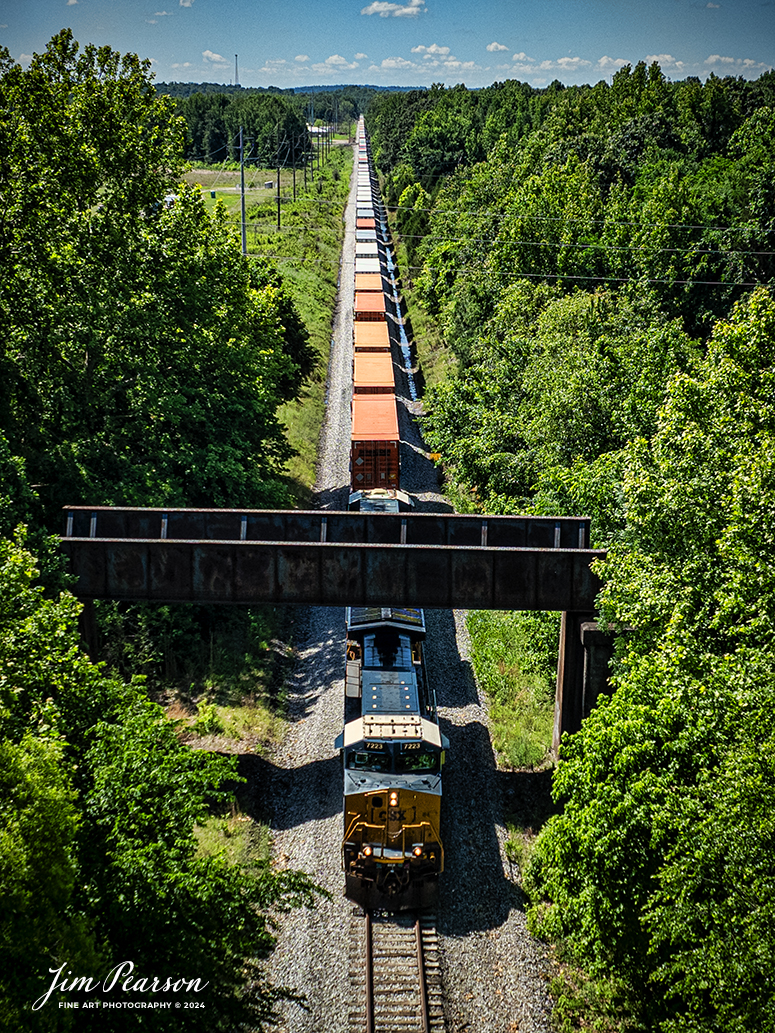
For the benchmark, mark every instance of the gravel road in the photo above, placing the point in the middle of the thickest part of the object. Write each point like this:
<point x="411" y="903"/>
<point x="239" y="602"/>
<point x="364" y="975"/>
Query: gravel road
<point x="494" y="973"/>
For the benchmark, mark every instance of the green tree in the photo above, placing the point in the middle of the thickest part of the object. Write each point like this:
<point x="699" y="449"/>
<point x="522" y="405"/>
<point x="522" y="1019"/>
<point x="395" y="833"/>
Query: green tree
<point x="659" y="871"/>
<point x="98" y="859"/>
<point x="144" y="357"/>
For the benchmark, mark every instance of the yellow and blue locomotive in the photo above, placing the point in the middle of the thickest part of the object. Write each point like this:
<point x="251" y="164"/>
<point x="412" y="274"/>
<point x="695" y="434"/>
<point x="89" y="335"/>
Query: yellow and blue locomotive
<point x="393" y="753"/>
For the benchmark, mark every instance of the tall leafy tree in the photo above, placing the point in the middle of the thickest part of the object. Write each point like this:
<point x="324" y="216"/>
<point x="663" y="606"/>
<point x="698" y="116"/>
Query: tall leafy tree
<point x="144" y="359"/>
<point x="98" y="860"/>
<point x="659" y="871"/>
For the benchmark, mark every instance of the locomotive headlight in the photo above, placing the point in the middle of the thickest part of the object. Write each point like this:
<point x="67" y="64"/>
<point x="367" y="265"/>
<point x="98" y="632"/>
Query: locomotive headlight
<point x="417" y="851"/>
<point x="367" y="851"/>
<point x="393" y="802"/>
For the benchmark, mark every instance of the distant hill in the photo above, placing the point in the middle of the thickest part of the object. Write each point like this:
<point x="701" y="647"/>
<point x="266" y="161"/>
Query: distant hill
<point x="188" y="89"/>
<point x="359" y="86"/>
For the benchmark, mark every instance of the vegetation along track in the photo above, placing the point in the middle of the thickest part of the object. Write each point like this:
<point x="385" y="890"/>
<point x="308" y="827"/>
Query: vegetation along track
<point x="394" y="973"/>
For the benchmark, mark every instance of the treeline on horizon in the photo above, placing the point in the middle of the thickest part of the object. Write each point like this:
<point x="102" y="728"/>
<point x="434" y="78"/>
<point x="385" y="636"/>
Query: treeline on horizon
<point x="274" y="122"/>
<point x="600" y="263"/>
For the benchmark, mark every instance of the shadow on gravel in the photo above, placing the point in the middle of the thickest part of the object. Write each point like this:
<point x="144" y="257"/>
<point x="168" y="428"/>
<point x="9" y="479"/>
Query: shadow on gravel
<point x="474" y="893"/>
<point x="309" y="792"/>
<point x="448" y="673"/>
<point x="527" y="797"/>
<point x="419" y="473"/>
<point x="332" y="498"/>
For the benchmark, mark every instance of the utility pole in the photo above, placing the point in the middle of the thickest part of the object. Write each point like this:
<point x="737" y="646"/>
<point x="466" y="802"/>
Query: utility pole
<point x="278" y="175"/>
<point x="242" y="191"/>
<point x="293" y="162"/>
<point x="236" y="72"/>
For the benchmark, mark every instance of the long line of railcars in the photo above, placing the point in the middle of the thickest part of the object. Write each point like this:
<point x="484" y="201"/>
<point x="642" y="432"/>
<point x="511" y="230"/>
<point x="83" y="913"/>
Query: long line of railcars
<point x="391" y="746"/>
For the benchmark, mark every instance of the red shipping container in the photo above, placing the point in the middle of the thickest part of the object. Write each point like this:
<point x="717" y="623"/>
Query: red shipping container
<point x="374" y="456"/>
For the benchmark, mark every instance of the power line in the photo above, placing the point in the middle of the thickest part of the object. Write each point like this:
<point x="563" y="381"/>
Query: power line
<point x="502" y="215"/>
<point x="582" y="246"/>
<point x="612" y="279"/>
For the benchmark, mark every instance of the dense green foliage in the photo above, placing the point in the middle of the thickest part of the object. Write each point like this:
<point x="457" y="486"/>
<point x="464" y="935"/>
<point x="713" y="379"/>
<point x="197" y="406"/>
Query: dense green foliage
<point x="273" y="130"/>
<point x="593" y="266"/>
<point x="143" y="362"/>
<point x="660" y="868"/>
<point x="143" y="358"/>
<point x="274" y="122"/>
<point x="98" y="858"/>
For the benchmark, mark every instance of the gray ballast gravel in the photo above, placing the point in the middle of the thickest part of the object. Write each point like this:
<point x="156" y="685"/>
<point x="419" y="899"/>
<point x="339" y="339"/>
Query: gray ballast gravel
<point x="494" y="973"/>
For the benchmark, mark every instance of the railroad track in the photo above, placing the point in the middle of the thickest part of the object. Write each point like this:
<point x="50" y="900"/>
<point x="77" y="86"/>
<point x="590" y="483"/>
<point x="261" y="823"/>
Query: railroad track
<point x="394" y="973"/>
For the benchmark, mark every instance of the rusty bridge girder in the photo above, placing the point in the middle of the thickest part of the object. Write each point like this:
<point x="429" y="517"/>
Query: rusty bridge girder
<point x="327" y="558"/>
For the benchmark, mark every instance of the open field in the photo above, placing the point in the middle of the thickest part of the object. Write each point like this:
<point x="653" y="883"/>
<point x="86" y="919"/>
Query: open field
<point x="305" y="251"/>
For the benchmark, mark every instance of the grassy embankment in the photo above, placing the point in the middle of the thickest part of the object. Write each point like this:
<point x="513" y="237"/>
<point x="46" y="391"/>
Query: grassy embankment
<point x="220" y="671"/>
<point x="306" y="251"/>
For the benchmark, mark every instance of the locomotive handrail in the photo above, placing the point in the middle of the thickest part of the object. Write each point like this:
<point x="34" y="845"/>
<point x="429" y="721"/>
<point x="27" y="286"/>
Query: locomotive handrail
<point x="381" y="833"/>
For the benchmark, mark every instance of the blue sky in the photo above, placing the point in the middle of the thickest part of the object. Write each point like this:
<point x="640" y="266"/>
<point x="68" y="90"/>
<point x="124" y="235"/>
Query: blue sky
<point x="408" y="42"/>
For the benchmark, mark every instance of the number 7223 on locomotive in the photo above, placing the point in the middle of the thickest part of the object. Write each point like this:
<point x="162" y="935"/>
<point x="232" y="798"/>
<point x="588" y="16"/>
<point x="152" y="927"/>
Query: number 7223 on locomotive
<point x="392" y="752"/>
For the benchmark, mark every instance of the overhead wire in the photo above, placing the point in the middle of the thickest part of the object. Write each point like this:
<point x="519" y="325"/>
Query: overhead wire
<point x="693" y="251"/>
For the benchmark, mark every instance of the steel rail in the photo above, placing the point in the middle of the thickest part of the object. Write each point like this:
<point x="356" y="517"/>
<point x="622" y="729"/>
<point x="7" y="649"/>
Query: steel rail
<point x="426" y="1025"/>
<point x="369" y="976"/>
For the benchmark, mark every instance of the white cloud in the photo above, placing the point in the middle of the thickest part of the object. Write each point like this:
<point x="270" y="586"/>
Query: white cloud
<point x="570" y="64"/>
<point x="24" y="59"/>
<point x="186" y="64"/>
<point x="337" y="61"/>
<point x="186" y="3"/>
<point x="71" y="2"/>
<point x="391" y="63"/>
<point x="434" y="48"/>
<point x="492" y="47"/>
<point x="739" y="64"/>
<point x="521" y="56"/>
<point x="301" y="58"/>
<point x="664" y="61"/>
<point x="388" y="10"/>
<point x="162" y="14"/>
<point x="607" y="63"/>
<point x="360" y="57"/>
<point x="276" y="62"/>
<point x="208" y="55"/>
<point x="453" y="65"/>
<point x="713" y="7"/>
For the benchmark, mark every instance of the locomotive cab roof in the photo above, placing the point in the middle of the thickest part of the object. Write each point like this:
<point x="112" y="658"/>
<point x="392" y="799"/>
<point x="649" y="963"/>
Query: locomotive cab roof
<point x="386" y="727"/>
<point x="359" y="619"/>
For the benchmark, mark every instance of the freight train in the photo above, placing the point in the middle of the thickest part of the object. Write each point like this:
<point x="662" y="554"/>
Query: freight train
<point x="391" y="745"/>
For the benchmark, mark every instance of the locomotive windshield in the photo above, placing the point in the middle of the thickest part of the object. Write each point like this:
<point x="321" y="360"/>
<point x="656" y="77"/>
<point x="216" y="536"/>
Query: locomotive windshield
<point x="417" y="760"/>
<point x="396" y="758"/>
<point x="363" y="760"/>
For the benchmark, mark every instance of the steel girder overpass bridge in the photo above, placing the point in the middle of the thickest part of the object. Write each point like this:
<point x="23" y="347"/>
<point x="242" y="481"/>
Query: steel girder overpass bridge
<point x="327" y="558"/>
